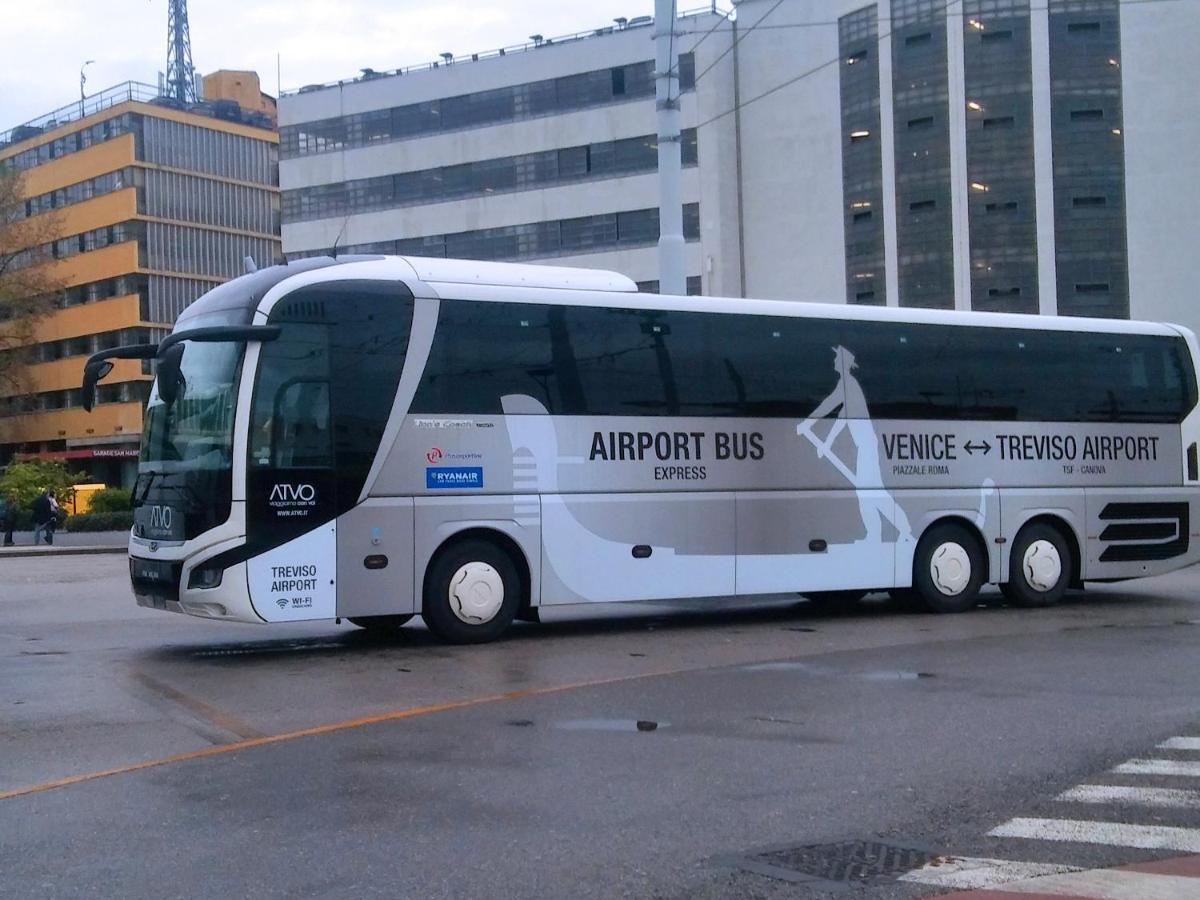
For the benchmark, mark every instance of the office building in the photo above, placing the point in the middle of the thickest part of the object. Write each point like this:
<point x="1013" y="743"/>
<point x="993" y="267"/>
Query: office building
<point x="151" y="205"/>
<point x="981" y="154"/>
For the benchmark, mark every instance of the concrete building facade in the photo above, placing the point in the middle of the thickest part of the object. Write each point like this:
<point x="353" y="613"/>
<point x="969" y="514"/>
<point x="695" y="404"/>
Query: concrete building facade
<point x="978" y="154"/>
<point x="151" y="205"/>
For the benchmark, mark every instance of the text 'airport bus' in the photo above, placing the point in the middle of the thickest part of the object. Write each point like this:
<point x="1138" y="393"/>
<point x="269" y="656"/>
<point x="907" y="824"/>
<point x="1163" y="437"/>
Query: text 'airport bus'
<point x="380" y="437"/>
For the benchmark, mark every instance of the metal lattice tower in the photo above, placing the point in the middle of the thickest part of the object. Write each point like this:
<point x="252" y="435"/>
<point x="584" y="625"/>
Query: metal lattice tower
<point x="181" y="77"/>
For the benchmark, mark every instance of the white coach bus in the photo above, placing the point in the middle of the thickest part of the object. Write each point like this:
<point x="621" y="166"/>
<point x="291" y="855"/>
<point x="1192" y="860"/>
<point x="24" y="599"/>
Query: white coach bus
<point x="381" y="437"/>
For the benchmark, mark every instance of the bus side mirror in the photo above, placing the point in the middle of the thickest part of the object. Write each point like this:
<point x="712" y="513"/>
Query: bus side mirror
<point x="170" y="378"/>
<point x="92" y="373"/>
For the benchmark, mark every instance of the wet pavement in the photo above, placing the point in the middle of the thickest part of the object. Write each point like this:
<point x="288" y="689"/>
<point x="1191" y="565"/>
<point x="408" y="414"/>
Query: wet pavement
<point x="644" y="750"/>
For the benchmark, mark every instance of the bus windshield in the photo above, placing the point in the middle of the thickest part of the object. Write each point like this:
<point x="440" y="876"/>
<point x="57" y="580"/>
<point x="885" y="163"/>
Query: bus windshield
<point x="196" y="431"/>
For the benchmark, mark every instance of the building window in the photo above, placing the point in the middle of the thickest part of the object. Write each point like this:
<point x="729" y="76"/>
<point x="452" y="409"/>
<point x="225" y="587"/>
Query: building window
<point x="920" y="94"/>
<point x="607" y="159"/>
<point x="997" y="77"/>
<point x="492" y="107"/>
<point x="1091" y="250"/>
<point x="862" y="158"/>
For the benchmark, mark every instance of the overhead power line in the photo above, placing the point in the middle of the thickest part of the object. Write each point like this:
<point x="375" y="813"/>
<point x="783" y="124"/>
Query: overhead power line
<point x="740" y="38"/>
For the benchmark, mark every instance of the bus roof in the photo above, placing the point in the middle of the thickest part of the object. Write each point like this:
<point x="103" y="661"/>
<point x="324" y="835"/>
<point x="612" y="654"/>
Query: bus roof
<point x="463" y="271"/>
<point x="457" y="279"/>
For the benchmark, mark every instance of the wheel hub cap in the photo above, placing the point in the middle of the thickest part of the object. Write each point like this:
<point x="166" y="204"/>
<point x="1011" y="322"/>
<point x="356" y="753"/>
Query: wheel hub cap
<point x="950" y="568"/>
<point x="476" y="593"/>
<point x="1042" y="565"/>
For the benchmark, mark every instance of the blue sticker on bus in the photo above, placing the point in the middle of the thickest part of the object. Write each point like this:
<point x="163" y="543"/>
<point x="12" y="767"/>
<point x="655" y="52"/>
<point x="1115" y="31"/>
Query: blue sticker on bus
<point x="453" y="477"/>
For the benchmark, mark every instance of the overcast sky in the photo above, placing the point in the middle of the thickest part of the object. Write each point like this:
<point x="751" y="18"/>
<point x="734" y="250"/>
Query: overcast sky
<point x="45" y="41"/>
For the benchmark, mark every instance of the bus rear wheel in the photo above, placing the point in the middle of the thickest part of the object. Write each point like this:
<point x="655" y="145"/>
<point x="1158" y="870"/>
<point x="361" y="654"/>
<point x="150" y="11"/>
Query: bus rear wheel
<point x="1040" y="567"/>
<point x="949" y="568"/>
<point x="380" y="624"/>
<point x="472" y="592"/>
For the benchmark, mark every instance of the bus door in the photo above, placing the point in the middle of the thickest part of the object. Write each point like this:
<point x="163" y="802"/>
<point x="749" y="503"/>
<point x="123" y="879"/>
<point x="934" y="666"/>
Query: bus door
<point x="322" y="399"/>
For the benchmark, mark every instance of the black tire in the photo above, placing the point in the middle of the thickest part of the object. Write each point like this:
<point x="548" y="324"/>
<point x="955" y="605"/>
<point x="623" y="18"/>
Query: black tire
<point x="437" y="609"/>
<point x="380" y="624"/>
<point x="940" y="541"/>
<point x="1020" y="590"/>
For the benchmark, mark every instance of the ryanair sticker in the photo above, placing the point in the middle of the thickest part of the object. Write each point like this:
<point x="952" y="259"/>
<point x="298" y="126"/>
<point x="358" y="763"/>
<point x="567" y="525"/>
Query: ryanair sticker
<point x="438" y="477"/>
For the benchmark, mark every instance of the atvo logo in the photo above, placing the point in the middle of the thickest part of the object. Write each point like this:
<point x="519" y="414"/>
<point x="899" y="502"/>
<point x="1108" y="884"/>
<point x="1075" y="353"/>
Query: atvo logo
<point x="293" y="492"/>
<point x="160" y="517"/>
<point x="434" y="456"/>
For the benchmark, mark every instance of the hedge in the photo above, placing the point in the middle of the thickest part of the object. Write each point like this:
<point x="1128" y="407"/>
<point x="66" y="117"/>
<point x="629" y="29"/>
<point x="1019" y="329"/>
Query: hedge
<point x="109" y="500"/>
<point x="105" y="521"/>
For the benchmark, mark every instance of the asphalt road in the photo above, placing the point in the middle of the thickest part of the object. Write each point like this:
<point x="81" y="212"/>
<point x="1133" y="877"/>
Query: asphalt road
<point x="144" y="754"/>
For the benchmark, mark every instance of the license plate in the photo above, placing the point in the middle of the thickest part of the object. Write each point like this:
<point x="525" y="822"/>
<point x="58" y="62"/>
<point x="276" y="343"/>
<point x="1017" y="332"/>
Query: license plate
<point x="151" y="570"/>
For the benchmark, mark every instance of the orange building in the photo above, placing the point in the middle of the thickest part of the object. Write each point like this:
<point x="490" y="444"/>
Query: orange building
<point x="153" y="204"/>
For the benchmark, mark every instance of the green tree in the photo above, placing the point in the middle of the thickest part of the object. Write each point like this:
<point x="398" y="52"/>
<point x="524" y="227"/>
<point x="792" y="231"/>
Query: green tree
<point x="22" y="481"/>
<point x="29" y="289"/>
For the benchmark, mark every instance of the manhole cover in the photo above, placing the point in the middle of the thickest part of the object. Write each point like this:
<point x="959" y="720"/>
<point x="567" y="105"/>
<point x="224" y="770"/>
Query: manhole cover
<point x="852" y="862"/>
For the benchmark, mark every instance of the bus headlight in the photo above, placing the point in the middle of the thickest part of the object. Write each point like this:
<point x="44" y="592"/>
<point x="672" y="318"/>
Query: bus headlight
<point x="205" y="577"/>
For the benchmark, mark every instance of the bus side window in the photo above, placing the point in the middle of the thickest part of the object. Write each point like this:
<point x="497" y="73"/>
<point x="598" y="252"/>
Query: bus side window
<point x="622" y="361"/>
<point x="906" y="370"/>
<point x="292" y="371"/>
<point x="776" y="366"/>
<point x="484" y="351"/>
<point x="705" y="382"/>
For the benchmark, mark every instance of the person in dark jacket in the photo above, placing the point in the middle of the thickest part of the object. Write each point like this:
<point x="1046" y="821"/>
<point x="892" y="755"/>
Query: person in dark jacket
<point x="43" y="517"/>
<point x="8" y="518"/>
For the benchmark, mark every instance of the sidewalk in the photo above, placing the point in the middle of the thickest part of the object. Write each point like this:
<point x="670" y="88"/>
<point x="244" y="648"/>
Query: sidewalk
<point x="68" y="543"/>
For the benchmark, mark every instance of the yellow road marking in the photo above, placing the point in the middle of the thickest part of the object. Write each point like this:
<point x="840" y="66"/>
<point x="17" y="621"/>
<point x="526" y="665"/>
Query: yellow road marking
<point x="344" y="725"/>
<point x="198" y="708"/>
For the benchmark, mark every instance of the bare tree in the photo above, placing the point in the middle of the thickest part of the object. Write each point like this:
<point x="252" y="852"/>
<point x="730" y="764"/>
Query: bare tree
<point x="29" y="289"/>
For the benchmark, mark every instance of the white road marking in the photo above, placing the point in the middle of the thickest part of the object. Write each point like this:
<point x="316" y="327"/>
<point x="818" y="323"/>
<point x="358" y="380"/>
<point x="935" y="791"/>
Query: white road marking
<point x="1110" y="884"/>
<point x="966" y="873"/>
<point x="1159" y="767"/>
<point x="1180" y="743"/>
<point x="1116" y="834"/>
<point x="1165" y="798"/>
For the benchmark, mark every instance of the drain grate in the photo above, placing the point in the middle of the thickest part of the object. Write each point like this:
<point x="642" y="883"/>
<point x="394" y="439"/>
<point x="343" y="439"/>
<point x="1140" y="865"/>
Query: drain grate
<point x="850" y="862"/>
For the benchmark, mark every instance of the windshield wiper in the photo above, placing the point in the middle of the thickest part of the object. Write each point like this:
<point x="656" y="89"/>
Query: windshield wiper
<point x="139" y="499"/>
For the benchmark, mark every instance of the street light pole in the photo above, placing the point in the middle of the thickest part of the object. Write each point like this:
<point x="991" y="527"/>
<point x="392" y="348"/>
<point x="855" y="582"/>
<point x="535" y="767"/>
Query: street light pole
<point x="82" y="82"/>
<point x="671" y="279"/>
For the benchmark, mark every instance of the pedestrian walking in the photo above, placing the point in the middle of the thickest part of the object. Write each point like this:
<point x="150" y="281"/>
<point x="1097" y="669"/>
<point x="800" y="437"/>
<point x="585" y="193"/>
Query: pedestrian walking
<point x="8" y="517"/>
<point x="44" y="516"/>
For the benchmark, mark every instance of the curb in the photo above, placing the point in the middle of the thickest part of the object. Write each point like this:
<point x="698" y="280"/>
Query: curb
<point x="60" y="551"/>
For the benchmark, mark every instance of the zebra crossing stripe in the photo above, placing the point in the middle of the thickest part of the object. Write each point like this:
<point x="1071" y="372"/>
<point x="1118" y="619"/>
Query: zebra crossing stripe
<point x="1180" y="743"/>
<point x="1186" y="768"/>
<point x="966" y="872"/>
<point x="1108" y="884"/>
<point x="1116" y="834"/>
<point x="1162" y="798"/>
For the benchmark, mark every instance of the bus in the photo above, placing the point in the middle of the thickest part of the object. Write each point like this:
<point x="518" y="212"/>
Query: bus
<point x="374" y="438"/>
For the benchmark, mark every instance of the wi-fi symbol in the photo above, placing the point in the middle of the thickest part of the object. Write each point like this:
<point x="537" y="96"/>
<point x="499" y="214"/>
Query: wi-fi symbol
<point x="281" y="602"/>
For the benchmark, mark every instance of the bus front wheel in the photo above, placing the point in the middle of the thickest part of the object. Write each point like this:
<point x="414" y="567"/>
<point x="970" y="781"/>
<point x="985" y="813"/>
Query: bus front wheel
<point x="472" y="593"/>
<point x="1040" y="567"/>
<point x="949" y="568"/>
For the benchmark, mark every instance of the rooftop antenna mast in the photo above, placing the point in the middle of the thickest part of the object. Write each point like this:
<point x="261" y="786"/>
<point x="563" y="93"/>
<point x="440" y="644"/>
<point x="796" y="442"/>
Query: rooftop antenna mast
<point x="181" y="77"/>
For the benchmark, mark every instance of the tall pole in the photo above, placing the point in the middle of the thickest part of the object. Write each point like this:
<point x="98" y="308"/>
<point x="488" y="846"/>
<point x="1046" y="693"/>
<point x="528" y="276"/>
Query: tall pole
<point x="82" y="82"/>
<point x="181" y="77"/>
<point x="671" y="277"/>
